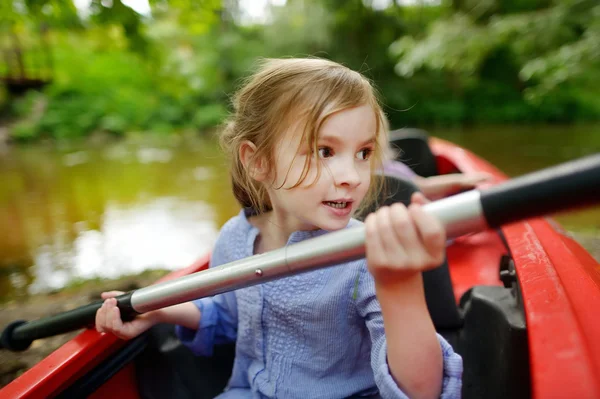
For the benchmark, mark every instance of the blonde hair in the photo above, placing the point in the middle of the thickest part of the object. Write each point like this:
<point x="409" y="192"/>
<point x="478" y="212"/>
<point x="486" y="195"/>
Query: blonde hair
<point x="281" y="93"/>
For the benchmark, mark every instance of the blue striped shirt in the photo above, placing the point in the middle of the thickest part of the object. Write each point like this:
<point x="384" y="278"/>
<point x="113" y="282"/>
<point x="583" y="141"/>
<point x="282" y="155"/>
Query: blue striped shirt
<point x="315" y="335"/>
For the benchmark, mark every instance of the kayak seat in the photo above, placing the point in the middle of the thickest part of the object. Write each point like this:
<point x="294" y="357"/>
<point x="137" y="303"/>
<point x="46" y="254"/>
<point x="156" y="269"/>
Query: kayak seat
<point x="494" y="345"/>
<point x="412" y="148"/>
<point x="166" y="369"/>
<point x="439" y="293"/>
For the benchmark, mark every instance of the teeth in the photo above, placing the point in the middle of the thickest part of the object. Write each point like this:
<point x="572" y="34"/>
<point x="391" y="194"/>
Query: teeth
<point x="339" y="205"/>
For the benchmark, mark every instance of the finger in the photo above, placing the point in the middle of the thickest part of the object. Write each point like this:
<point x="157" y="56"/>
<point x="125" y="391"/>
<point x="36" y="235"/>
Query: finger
<point x="408" y="242"/>
<point x="101" y="318"/>
<point x="419" y="198"/>
<point x="431" y="233"/>
<point x="111" y="294"/>
<point x="108" y="311"/>
<point x="384" y="229"/>
<point x="116" y="323"/>
<point x="373" y="245"/>
<point x="393" y="251"/>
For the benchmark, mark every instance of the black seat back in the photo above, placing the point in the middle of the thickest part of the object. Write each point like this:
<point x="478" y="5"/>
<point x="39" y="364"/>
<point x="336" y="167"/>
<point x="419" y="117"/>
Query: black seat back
<point x="439" y="293"/>
<point x="412" y="146"/>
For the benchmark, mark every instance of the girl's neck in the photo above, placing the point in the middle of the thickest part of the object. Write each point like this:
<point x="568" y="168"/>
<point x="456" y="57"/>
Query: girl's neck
<point x="274" y="231"/>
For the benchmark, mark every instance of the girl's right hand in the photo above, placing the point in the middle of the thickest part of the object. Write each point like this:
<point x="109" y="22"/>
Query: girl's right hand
<point x="108" y="319"/>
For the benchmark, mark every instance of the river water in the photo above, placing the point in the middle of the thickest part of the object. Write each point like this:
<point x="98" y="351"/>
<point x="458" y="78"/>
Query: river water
<point x="109" y="208"/>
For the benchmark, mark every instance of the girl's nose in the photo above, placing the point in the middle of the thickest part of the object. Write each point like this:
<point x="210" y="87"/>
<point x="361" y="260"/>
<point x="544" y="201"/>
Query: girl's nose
<point x="347" y="175"/>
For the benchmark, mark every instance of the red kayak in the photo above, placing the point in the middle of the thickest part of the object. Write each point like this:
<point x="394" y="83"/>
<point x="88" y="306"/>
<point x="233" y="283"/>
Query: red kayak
<point x="519" y="303"/>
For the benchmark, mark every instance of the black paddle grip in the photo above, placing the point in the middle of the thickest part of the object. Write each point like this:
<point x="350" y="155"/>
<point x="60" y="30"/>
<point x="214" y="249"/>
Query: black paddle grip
<point x="19" y="335"/>
<point x="566" y="186"/>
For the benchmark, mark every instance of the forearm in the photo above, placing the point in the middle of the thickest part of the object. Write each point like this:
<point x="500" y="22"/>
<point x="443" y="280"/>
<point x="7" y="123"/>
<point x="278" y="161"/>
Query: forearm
<point x="413" y="350"/>
<point x="184" y="314"/>
<point x="438" y="186"/>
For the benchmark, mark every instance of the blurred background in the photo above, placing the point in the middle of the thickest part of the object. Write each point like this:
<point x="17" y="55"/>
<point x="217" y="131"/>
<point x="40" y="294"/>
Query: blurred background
<point x="108" y="161"/>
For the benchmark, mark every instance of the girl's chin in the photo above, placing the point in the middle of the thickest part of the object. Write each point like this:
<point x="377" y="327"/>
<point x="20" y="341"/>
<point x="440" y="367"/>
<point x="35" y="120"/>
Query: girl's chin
<point x="327" y="221"/>
<point x="333" y="225"/>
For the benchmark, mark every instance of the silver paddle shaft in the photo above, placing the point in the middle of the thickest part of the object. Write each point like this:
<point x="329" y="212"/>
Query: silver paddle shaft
<point x="459" y="214"/>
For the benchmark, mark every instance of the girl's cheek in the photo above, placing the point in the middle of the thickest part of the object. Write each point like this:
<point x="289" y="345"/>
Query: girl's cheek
<point x="366" y="178"/>
<point x="365" y="168"/>
<point x="291" y="173"/>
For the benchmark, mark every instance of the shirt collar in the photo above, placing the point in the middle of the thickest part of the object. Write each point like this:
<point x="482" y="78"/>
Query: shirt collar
<point x="296" y="236"/>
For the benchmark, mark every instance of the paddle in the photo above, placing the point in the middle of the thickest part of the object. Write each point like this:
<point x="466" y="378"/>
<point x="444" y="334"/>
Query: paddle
<point x="567" y="186"/>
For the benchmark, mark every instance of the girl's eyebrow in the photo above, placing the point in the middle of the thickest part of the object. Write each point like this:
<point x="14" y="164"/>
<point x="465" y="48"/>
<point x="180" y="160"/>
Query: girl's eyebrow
<point x="336" y="139"/>
<point x="369" y="141"/>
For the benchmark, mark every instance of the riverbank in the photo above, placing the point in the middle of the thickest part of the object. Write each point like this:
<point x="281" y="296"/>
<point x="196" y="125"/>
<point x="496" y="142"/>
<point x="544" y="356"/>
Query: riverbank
<point x="13" y="364"/>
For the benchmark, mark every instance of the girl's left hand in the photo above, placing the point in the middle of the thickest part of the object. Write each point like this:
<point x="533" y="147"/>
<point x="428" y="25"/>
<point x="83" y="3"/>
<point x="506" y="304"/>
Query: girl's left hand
<point x="403" y="241"/>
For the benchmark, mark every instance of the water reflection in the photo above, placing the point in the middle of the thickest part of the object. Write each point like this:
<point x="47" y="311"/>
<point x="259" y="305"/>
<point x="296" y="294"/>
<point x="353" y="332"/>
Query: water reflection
<point x="165" y="233"/>
<point x="107" y="210"/>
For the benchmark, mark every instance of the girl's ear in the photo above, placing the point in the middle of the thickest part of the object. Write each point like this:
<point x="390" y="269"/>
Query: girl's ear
<point x="256" y="166"/>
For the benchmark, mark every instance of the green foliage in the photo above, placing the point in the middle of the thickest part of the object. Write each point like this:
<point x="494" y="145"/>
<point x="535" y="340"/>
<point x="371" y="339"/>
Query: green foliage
<point x="24" y="131"/>
<point x="543" y="58"/>
<point x="107" y="88"/>
<point x="59" y="14"/>
<point x="459" y="62"/>
<point x="209" y="115"/>
<point x="306" y="26"/>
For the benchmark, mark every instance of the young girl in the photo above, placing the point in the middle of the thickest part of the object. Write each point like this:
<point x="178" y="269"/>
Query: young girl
<point x="304" y="141"/>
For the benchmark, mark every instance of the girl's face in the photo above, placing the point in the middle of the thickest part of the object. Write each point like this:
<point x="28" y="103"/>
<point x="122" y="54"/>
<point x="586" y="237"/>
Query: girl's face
<point x="345" y="143"/>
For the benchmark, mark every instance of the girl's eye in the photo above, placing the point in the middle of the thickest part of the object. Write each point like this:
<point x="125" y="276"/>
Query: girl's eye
<point x="364" y="154"/>
<point x="325" y="152"/>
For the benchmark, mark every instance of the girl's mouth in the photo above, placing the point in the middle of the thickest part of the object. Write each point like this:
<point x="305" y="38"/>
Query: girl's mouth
<point x="338" y="209"/>
<point x="338" y="204"/>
